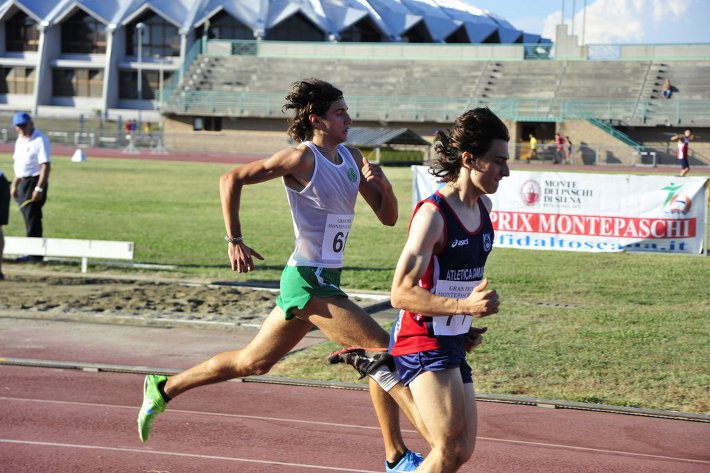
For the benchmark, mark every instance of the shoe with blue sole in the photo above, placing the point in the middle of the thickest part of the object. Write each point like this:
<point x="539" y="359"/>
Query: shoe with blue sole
<point x="409" y="462"/>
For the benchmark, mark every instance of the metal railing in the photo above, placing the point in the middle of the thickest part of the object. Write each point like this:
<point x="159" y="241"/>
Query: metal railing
<point x="380" y="51"/>
<point x="96" y="137"/>
<point x="610" y="130"/>
<point x="447" y="51"/>
<point x="598" y="154"/>
<point x="444" y="109"/>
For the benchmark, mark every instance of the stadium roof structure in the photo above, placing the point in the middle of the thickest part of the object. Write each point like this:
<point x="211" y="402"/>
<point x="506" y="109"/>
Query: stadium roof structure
<point x="436" y="21"/>
<point x="376" y="137"/>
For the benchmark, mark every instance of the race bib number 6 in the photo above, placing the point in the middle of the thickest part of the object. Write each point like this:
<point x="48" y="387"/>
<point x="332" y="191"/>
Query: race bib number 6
<point x="335" y="236"/>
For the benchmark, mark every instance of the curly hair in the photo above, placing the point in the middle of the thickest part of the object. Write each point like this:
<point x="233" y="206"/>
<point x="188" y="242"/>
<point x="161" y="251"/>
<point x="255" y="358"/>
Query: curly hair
<point x="474" y="131"/>
<point x="307" y="97"/>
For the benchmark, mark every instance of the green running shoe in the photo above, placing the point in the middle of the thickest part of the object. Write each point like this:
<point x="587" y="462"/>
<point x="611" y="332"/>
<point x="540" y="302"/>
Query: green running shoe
<point x="153" y="404"/>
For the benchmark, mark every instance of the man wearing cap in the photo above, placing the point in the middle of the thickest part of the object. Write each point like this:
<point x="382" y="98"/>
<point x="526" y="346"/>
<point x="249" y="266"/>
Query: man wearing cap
<point x="29" y="188"/>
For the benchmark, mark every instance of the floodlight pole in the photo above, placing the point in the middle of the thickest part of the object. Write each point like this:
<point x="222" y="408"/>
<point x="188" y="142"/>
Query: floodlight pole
<point x="584" y="20"/>
<point x="140" y="27"/>
<point x="161" y="80"/>
<point x="572" y="17"/>
<point x="205" y="36"/>
<point x="562" y="13"/>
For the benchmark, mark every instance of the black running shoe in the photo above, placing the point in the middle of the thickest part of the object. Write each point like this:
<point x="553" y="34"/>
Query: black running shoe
<point x="364" y="360"/>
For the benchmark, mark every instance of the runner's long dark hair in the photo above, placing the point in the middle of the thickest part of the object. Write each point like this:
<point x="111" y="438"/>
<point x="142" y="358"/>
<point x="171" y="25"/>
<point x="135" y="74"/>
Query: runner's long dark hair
<point x="474" y="131"/>
<point x="306" y="97"/>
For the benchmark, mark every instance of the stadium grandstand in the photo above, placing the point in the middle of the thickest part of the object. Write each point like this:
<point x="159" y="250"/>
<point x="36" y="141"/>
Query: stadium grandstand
<point x="213" y="74"/>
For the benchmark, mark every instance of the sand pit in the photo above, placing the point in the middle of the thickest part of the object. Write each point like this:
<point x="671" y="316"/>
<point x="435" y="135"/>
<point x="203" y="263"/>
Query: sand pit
<point x="44" y="294"/>
<point x="36" y="293"/>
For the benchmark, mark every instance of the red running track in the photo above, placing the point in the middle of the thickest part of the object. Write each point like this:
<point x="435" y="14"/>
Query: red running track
<point x="76" y="421"/>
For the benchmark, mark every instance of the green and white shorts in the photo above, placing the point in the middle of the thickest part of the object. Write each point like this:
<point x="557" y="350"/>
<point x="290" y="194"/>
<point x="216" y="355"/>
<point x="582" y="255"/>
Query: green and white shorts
<point x="300" y="283"/>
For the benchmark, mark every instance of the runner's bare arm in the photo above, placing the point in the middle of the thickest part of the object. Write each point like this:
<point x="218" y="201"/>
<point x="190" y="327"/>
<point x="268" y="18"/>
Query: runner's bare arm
<point x="376" y="189"/>
<point x="425" y="234"/>
<point x="425" y="237"/>
<point x="293" y="163"/>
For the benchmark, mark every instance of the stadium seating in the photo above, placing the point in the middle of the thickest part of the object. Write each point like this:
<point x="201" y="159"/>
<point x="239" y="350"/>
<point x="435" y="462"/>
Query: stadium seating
<point x="622" y="98"/>
<point x="632" y="86"/>
<point x="619" y="98"/>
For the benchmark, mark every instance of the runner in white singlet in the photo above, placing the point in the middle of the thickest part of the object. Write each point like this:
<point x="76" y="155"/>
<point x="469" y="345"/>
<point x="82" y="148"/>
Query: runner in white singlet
<point x="322" y="179"/>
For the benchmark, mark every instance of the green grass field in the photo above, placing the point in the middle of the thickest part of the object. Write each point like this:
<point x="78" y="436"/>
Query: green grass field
<point x="621" y="329"/>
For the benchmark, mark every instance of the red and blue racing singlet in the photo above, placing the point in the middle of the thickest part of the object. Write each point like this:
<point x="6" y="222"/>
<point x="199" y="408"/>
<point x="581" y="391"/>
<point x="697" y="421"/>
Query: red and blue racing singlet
<point x="452" y="272"/>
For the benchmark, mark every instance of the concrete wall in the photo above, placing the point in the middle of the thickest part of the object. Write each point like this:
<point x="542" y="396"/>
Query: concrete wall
<point x="593" y="145"/>
<point x="567" y="46"/>
<point x="657" y="139"/>
<point x="249" y="136"/>
<point x="665" y="51"/>
<point x="264" y="136"/>
<point x="405" y="51"/>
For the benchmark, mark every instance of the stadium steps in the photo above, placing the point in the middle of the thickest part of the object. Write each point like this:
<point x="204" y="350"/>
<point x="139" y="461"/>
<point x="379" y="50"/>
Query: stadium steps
<point x="531" y="84"/>
<point x="481" y="89"/>
<point x="650" y="94"/>
<point x="524" y="79"/>
<point x="691" y="79"/>
<point x="610" y="80"/>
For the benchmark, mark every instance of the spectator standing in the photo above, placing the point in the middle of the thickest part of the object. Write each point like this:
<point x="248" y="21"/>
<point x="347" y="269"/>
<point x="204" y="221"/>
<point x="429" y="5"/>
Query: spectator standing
<point x="533" y="148"/>
<point x="4" y="214"/>
<point x="32" y="167"/>
<point x="683" y="140"/>
<point x="569" y="149"/>
<point x="559" y="148"/>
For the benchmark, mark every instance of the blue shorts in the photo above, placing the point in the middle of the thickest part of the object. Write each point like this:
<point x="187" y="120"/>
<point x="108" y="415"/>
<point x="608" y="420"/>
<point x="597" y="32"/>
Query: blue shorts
<point x="683" y="163"/>
<point x="411" y="366"/>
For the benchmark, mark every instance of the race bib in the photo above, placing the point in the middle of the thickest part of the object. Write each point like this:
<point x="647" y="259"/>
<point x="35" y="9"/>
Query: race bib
<point x="335" y="236"/>
<point x="453" y="324"/>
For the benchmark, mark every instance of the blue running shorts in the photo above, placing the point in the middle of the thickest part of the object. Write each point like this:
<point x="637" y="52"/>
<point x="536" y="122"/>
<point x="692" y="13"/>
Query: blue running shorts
<point x="411" y="366"/>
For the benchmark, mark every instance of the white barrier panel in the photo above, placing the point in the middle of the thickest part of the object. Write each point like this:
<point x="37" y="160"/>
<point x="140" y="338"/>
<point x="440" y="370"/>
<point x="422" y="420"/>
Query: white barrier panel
<point x="68" y="247"/>
<point x="593" y="212"/>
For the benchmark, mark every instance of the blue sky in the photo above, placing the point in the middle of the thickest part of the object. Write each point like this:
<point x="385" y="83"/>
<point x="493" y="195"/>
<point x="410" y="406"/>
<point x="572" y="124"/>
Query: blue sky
<point x="611" y="21"/>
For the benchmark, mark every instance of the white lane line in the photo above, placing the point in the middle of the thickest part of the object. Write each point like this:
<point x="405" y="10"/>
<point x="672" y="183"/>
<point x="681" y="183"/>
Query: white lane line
<point x="594" y="450"/>
<point x="181" y="411"/>
<point x="351" y="426"/>
<point x="184" y="455"/>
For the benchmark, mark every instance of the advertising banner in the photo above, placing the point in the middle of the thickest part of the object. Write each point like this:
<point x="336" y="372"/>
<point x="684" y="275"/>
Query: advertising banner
<point x="593" y="212"/>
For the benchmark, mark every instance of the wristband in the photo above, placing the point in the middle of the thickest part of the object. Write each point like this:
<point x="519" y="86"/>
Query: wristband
<point x="39" y="189"/>
<point x="233" y="239"/>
